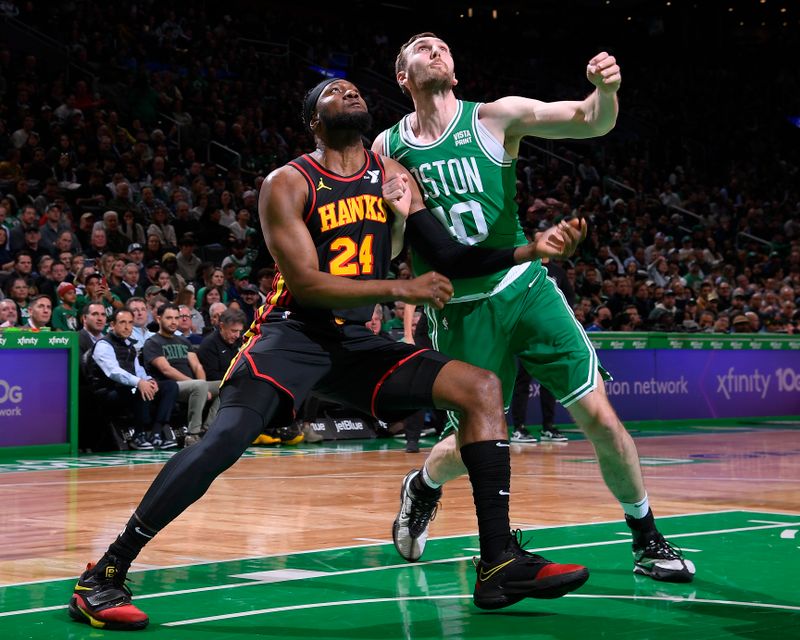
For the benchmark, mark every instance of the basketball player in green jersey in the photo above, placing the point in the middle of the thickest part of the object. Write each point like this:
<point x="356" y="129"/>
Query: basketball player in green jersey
<point x="463" y="156"/>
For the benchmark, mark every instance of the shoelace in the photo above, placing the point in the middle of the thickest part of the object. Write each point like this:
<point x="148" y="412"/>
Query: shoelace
<point x="660" y="547"/>
<point x="517" y="546"/>
<point x="118" y="581"/>
<point x="124" y="587"/>
<point x="423" y="510"/>
<point x="516" y="542"/>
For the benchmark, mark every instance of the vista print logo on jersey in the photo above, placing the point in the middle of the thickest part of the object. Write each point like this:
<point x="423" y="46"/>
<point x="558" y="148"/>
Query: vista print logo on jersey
<point x="461" y="138"/>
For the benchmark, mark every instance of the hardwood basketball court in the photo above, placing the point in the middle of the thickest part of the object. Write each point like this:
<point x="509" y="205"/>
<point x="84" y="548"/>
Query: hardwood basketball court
<point x="296" y="543"/>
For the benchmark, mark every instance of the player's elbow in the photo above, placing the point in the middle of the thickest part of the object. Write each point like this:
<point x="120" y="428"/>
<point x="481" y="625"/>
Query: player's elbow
<point x="601" y="129"/>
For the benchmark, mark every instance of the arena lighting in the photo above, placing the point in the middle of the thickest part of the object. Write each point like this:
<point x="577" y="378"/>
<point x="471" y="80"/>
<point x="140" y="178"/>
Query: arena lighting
<point x="795" y="120"/>
<point x="327" y="73"/>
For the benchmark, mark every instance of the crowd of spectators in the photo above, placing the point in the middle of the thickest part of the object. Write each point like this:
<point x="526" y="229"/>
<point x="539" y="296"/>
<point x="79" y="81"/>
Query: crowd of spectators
<point x="141" y="180"/>
<point x="130" y="180"/>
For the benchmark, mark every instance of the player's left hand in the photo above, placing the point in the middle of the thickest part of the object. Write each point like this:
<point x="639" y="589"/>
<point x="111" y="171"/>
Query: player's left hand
<point x="559" y="241"/>
<point x="397" y="194"/>
<point x="603" y="72"/>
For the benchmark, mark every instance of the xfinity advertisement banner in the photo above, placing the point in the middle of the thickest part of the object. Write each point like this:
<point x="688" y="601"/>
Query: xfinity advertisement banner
<point x="33" y="397"/>
<point x="685" y="384"/>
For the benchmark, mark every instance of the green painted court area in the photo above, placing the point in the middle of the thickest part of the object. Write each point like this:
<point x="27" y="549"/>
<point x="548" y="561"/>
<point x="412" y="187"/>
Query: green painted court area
<point x="747" y="587"/>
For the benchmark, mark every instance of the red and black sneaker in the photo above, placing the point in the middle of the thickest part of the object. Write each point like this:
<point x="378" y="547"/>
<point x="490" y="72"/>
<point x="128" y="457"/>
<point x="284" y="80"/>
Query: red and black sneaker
<point x="101" y="599"/>
<point x="518" y="574"/>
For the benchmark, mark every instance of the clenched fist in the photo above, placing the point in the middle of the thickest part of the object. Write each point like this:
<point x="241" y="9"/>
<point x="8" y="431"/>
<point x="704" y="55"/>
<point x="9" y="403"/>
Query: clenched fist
<point x="397" y="194"/>
<point x="603" y="72"/>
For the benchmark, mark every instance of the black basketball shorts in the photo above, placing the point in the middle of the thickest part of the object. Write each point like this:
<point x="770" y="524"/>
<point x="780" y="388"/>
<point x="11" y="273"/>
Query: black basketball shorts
<point x="345" y="364"/>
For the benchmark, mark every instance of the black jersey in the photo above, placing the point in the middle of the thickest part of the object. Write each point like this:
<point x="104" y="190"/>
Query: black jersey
<point x="350" y="226"/>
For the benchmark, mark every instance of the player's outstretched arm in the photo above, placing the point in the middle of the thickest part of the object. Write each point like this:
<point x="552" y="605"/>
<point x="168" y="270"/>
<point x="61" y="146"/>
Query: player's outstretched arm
<point x="514" y="117"/>
<point x="280" y="208"/>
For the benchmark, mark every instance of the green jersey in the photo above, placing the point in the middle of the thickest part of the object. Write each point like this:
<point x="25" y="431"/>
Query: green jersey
<point x="65" y="319"/>
<point x="469" y="183"/>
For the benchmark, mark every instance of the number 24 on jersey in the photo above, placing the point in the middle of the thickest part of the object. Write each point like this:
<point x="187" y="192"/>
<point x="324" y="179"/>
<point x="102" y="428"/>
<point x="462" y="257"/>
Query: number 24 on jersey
<point x="352" y="259"/>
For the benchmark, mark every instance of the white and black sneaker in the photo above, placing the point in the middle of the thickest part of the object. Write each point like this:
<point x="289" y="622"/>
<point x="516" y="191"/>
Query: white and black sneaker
<point x="660" y="560"/>
<point x="140" y="442"/>
<point x="410" y="528"/>
<point x="168" y="443"/>
<point x="552" y="434"/>
<point x="521" y="435"/>
<point x="162" y="443"/>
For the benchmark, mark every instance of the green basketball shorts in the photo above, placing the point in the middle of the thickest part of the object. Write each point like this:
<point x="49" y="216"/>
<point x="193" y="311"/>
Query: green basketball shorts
<point x="529" y="321"/>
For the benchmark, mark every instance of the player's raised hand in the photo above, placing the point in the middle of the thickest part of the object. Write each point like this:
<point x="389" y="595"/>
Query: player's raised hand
<point x="603" y="72"/>
<point x="397" y="194"/>
<point x="431" y="288"/>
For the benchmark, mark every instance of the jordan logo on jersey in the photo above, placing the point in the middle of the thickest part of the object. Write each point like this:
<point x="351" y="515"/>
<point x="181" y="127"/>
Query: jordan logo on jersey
<point x="322" y="185"/>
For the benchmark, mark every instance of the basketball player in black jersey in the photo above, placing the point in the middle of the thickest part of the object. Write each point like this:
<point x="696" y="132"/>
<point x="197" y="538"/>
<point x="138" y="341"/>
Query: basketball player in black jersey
<point x="329" y="229"/>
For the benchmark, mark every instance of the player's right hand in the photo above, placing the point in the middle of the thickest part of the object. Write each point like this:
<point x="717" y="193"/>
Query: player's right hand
<point x="431" y="288"/>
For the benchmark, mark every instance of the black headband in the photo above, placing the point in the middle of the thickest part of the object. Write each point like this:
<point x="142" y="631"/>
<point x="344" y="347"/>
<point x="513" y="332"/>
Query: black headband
<point x="310" y="101"/>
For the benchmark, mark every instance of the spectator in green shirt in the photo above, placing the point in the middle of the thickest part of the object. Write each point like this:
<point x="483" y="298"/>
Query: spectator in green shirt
<point x="65" y="315"/>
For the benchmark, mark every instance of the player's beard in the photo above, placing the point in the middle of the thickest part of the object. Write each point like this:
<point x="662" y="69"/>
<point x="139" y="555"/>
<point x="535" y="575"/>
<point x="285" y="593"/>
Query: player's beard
<point x="357" y="121"/>
<point x="435" y="80"/>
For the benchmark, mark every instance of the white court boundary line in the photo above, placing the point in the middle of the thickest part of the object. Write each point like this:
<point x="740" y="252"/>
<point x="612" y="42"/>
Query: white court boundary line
<point x="404" y="565"/>
<point x="339" y="603"/>
<point x="532" y="528"/>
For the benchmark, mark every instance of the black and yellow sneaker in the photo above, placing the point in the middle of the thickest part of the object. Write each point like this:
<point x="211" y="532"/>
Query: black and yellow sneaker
<point x="101" y="599"/>
<point x="518" y="574"/>
<point x="290" y="434"/>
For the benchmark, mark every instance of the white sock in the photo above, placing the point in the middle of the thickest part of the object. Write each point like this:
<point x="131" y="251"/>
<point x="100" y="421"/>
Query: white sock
<point x="636" y="510"/>
<point x="428" y="480"/>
